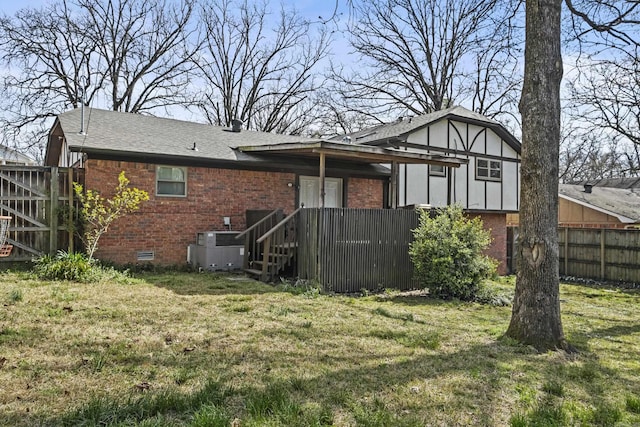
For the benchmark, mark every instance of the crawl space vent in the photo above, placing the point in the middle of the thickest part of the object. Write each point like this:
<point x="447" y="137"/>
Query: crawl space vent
<point x="146" y="256"/>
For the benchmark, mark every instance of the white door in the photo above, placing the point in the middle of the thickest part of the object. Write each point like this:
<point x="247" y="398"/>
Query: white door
<point x="310" y="192"/>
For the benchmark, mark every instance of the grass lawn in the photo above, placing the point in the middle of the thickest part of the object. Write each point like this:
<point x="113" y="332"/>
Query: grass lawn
<point x="209" y="350"/>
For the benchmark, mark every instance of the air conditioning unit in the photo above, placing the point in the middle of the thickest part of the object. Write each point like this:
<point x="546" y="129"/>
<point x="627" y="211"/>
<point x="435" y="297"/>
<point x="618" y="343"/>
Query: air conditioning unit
<point x="217" y="250"/>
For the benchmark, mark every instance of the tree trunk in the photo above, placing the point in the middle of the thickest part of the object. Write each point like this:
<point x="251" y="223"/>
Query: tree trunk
<point x="536" y="309"/>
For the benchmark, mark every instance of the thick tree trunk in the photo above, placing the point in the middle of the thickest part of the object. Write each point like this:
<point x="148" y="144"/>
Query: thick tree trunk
<point x="536" y="310"/>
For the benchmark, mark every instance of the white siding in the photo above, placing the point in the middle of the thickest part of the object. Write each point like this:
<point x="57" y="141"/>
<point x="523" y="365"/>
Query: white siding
<point x="471" y="193"/>
<point x="477" y="195"/>
<point x="495" y="146"/>
<point x="417" y="188"/>
<point x="511" y="185"/>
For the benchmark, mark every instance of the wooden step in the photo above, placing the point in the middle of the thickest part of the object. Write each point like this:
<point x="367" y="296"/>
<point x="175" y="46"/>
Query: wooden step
<point x="287" y="245"/>
<point x="253" y="272"/>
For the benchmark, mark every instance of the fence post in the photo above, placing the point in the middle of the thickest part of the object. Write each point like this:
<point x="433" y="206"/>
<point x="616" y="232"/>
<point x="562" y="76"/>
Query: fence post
<point x="53" y="211"/>
<point x="70" y="225"/>
<point x="602" y="254"/>
<point x="566" y="251"/>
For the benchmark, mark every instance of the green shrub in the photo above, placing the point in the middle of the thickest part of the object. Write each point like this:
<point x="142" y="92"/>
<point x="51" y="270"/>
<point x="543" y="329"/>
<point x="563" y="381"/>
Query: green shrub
<point x="74" y="266"/>
<point x="447" y="254"/>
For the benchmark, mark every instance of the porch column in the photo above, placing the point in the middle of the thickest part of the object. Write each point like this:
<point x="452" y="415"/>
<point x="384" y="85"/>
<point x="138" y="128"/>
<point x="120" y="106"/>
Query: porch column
<point x="322" y="163"/>
<point x="394" y="185"/>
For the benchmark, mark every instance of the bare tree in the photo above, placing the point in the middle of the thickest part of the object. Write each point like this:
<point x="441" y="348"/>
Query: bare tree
<point x="145" y="51"/>
<point x="606" y="96"/>
<point x="134" y="55"/>
<point x="45" y="53"/>
<point x="421" y="56"/>
<point x="259" y="73"/>
<point x="593" y="154"/>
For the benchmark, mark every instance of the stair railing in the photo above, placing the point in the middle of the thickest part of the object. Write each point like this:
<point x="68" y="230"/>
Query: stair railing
<point x="253" y="249"/>
<point x="279" y="246"/>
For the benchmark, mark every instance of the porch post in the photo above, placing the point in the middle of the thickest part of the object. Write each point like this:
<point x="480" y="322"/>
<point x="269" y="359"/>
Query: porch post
<point x="394" y="185"/>
<point x="322" y="188"/>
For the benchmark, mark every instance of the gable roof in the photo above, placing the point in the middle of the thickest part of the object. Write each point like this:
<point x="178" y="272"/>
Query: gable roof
<point x="400" y="129"/>
<point x="623" y="204"/>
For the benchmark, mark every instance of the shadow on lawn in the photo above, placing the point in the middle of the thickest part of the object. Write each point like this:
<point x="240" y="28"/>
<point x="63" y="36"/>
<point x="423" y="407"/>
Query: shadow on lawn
<point x="353" y="390"/>
<point x="360" y="389"/>
<point x="208" y="283"/>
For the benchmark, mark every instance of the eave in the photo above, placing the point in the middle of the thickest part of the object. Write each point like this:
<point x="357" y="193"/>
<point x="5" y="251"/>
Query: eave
<point x="356" y="153"/>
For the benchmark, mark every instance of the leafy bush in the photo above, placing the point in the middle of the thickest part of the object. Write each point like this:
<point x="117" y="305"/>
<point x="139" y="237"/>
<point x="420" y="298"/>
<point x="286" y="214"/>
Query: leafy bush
<point x="77" y="267"/>
<point x="74" y="266"/>
<point x="447" y="254"/>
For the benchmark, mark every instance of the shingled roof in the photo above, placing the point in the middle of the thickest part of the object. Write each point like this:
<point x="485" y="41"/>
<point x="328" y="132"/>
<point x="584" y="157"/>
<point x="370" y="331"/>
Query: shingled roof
<point x="134" y="133"/>
<point x="400" y="129"/>
<point x="126" y="135"/>
<point x="618" y="202"/>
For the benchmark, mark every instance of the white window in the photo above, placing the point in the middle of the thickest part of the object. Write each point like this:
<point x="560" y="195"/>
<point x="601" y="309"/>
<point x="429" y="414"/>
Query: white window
<point x="171" y="181"/>
<point x="437" y="170"/>
<point x="488" y="170"/>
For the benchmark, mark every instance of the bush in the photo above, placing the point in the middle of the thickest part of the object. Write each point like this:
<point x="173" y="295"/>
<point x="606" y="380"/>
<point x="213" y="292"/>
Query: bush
<point x="447" y="254"/>
<point x="66" y="266"/>
<point x="77" y="267"/>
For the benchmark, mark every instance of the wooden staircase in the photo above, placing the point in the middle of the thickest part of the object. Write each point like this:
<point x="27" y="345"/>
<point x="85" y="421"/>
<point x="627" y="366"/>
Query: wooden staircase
<point x="268" y="254"/>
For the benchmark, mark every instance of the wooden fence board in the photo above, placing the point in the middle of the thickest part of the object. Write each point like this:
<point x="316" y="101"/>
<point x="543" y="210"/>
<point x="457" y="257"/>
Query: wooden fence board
<point x="604" y="254"/>
<point x="38" y="199"/>
<point x="357" y="248"/>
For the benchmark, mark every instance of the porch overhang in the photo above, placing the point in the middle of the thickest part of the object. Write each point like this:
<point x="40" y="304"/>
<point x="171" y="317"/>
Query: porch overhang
<point x="356" y="153"/>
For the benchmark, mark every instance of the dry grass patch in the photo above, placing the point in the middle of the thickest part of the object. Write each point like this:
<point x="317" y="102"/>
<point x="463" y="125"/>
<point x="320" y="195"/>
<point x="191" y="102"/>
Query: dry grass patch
<point x="203" y="349"/>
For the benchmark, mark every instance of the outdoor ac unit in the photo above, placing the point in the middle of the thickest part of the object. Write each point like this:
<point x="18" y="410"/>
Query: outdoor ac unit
<point x="218" y="250"/>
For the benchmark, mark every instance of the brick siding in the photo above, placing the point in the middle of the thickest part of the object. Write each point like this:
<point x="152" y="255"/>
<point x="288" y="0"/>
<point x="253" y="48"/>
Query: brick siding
<point x="167" y="225"/>
<point x="365" y="193"/>
<point x="497" y="224"/>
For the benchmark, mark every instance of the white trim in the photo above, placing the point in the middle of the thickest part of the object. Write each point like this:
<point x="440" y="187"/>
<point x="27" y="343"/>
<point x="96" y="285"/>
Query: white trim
<point x="489" y="169"/>
<point x="184" y="171"/>
<point x="622" y="218"/>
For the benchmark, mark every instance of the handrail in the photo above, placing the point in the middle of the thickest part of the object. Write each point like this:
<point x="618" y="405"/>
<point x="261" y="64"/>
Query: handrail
<point x="257" y="224"/>
<point x="277" y="226"/>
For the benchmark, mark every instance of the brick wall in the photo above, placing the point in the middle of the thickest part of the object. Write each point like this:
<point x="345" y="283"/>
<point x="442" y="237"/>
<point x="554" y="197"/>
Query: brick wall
<point x="497" y="224"/>
<point x="365" y="193"/>
<point x="167" y="225"/>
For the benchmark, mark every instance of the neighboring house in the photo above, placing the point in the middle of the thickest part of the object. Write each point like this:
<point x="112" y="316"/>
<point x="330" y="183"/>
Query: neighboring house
<point x="487" y="186"/>
<point x="596" y="206"/>
<point x="11" y="157"/>
<point x="201" y="177"/>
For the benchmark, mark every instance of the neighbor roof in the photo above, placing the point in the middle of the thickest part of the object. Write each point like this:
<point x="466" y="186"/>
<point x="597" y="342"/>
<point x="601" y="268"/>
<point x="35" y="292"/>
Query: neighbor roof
<point x="618" y="202"/>
<point x="11" y="156"/>
<point x="623" y="182"/>
<point x="400" y="129"/>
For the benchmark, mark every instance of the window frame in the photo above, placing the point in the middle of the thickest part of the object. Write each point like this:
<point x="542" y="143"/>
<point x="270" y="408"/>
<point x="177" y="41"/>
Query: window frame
<point x="489" y="168"/>
<point x="442" y="173"/>
<point x="158" y="181"/>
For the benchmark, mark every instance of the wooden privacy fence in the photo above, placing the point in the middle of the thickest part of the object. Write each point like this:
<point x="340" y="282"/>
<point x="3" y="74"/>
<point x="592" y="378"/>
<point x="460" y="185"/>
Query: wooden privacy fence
<point x="348" y="250"/>
<point x="38" y="199"/>
<point x="604" y="254"/>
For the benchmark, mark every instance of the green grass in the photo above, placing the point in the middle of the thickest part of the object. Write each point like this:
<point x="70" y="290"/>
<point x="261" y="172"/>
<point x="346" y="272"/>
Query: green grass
<point x="184" y="349"/>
